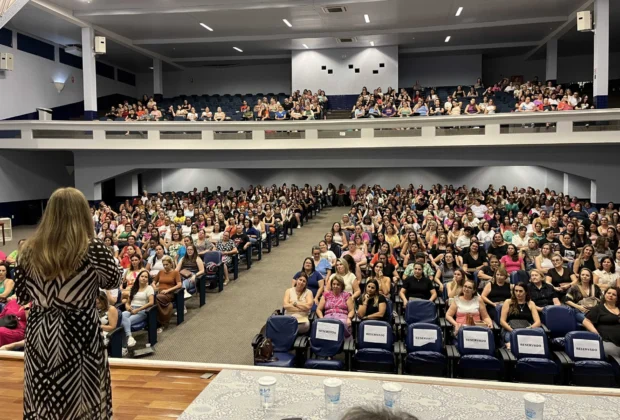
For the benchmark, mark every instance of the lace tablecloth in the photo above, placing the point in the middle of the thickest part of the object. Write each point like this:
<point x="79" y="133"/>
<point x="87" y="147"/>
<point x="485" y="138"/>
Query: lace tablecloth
<point x="233" y="395"/>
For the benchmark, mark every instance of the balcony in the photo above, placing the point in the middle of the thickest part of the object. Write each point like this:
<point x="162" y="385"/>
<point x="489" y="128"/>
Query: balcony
<point x="539" y="128"/>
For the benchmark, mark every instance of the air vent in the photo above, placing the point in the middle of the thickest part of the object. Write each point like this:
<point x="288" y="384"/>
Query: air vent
<point x="334" y="9"/>
<point x="346" y="40"/>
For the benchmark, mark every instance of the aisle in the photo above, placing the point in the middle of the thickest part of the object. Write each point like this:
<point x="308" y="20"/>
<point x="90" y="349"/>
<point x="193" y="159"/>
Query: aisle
<point x="222" y="330"/>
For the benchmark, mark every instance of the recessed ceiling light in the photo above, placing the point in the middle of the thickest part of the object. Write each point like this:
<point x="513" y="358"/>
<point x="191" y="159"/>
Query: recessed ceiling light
<point x="150" y="68"/>
<point x="458" y="12"/>
<point x="287" y="23"/>
<point x="367" y="19"/>
<point x="208" y="28"/>
<point x="305" y="46"/>
<point x="372" y="43"/>
<point x="237" y="49"/>
<point x="448" y="38"/>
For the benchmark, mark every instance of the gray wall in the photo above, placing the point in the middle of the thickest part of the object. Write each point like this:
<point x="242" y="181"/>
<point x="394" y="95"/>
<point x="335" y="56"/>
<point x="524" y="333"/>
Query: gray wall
<point x="27" y="175"/>
<point x="448" y="70"/>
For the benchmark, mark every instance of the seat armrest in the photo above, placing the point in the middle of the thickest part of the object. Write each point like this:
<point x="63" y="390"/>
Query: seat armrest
<point x="440" y="302"/>
<point x="507" y="356"/>
<point x="349" y="345"/>
<point x="615" y="360"/>
<point x="399" y="348"/>
<point x="545" y="329"/>
<point x="301" y="342"/>
<point x="256" y="340"/>
<point x="443" y="323"/>
<point x="452" y="352"/>
<point x="563" y="358"/>
<point x="495" y="326"/>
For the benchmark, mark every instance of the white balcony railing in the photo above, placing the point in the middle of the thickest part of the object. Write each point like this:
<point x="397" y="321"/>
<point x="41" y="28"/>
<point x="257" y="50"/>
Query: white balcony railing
<point x="575" y="127"/>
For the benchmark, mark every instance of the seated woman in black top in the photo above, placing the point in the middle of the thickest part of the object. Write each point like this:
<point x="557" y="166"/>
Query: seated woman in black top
<point x="496" y="291"/>
<point x="372" y="305"/>
<point x="603" y="320"/>
<point x="417" y="286"/>
<point x="498" y="247"/>
<point x="559" y="277"/>
<point x="474" y="259"/>
<point x="518" y="311"/>
<point x="586" y="259"/>
<point x="542" y="293"/>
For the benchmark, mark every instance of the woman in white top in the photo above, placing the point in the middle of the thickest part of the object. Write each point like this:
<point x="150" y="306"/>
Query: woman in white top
<point x="543" y="261"/>
<point x="485" y="234"/>
<point x="351" y="281"/>
<point x="186" y="228"/>
<point x="155" y="262"/>
<point x="606" y="276"/>
<point x="298" y="301"/>
<point x="327" y="254"/>
<point x="141" y="297"/>
<point x="188" y="211"/>
<point x="216" y="235"/>
<point x="490" y="108"/>
<point x="338" y="235"/>
<point x="468" y="303"/>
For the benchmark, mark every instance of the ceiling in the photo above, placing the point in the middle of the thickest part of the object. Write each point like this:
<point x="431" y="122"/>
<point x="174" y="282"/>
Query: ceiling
<point x="140" y="30"/>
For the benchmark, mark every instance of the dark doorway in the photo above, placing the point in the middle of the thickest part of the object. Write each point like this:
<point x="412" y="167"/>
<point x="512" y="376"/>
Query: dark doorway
<point x="140" y="185"/>
<point x="108" y="192"/>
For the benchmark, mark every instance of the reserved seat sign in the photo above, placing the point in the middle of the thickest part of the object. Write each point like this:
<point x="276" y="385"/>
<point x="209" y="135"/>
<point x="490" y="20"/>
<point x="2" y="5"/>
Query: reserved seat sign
<point x="375" y="334"/>
<point x="327" y="331"/>
<point x="587" y="349"/>
<point x="531" y="344"/>
<point x="476" y="340"/>
<point x="422" y="337"/>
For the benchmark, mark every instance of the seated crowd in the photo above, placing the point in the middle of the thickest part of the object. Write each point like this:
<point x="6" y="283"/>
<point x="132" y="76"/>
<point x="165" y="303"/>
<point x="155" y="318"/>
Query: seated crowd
<point x="522" y="250"/>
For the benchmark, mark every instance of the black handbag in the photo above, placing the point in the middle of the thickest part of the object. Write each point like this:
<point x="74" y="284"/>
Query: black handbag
<point x="517" y="324"/>
<point x="9" y="321"/>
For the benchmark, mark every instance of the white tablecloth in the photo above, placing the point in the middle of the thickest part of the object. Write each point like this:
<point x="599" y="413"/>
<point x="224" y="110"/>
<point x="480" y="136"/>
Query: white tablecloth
<point x="233" y="395"/>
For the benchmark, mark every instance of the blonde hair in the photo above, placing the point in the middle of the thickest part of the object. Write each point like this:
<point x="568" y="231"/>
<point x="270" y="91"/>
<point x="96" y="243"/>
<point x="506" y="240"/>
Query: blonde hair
<point x="61" y="241"/>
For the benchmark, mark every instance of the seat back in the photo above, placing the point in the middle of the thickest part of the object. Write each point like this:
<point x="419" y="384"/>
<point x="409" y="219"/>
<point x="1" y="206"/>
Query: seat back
<point x="282" y="330"/>
<point x="475" y="341"/>
<point x="375" y="335"/>
<point x="528" y="342"/>
<point x="423" y="337"/>
<point x="584" y="346"/>
<point x="560" y="320"/>
<point x="421" y="311"/>
<point x="212" y="257"/>
<point x="327" y="337"/>
<point x="119" y="320"/>
<point x="519" y="276"/>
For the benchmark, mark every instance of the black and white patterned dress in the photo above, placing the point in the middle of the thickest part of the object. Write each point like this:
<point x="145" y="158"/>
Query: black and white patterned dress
<point x="67" y="376"/>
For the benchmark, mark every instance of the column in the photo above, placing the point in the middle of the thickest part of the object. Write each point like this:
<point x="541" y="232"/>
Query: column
<point x="90" y="74"/>
<point x="158" y="83"/>
<point x="601" y="52"/>
<point x="552" y="61"/>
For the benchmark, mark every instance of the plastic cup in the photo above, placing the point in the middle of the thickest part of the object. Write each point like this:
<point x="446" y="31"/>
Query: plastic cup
<point x="534" y="406"/>
<point x="391" y="395"/>
<point x="332" y="392"/>
<point x="267" y="391"/>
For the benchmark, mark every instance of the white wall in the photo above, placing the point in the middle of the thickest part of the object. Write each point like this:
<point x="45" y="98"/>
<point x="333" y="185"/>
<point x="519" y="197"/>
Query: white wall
<point x="187" y="179"/>
<point x="264" y="78"/>
<point x="31" y="85"/>
<point x="307" y="72"/>
<point x="27" y="175"/>
<point x="439" y="71"/>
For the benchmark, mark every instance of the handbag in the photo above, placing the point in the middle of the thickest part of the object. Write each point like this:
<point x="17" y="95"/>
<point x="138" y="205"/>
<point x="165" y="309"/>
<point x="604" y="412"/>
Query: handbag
<point x="185" y="273"/>
<point x="263" y="352"/>
<point x="9" y="321"/>
<point x="517" y="324"/>
<point x="588" y="302"/>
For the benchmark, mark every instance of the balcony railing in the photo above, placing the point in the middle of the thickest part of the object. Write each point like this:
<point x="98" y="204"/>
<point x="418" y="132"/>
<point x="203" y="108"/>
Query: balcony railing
<point x="574" y="127"/>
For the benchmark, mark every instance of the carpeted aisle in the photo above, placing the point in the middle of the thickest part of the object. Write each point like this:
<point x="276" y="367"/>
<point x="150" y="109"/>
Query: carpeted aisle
<point x="222" y="330"/>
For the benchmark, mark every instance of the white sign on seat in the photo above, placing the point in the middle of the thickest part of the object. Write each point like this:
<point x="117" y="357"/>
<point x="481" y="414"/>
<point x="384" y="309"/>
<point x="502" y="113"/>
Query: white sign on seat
<point x="531" y="344"/>
<point x="476" y="340"/>
<point x="375" y="334"/>
<point x="422" y="337"/>
<point x="587" y="349"/>
<point x="327" y="331"/>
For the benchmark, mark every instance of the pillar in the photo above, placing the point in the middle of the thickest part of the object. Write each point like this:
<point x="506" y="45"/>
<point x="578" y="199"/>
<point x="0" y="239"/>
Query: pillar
<point x="601" y="53"/>
<point x="158" y="84"/>
<point x="552" y="61"/>
<point x="90" y="74"/>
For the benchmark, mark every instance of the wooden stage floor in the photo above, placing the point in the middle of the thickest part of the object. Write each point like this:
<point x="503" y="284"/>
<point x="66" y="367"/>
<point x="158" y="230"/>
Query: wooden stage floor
<point x="137" y="394"/>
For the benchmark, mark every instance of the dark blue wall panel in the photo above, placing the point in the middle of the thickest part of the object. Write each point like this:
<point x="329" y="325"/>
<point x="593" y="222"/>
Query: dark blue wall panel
<point x="126" y="77"/>
<point x="6" y="37"/>
<point x="105" y="70"/>
<point x="34" y="46"/>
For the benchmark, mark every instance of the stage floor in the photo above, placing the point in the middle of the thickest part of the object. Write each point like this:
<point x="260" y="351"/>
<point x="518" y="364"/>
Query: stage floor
<point x="137" y="394"/>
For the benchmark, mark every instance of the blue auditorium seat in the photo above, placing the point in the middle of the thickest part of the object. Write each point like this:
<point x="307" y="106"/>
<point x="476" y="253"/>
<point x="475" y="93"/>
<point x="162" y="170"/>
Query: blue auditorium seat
<point x="533" y="364"/>
<point x="559" y="320"/>
<point x="424" y="351"/>
<point x="115" y="337"/>
<point x="475" y="355"/>
<point x="589" y="364"/>
<point x="375" y="347"/>
<point x="421" y="311"/>
<point x="150" y="324"/>
<point x="329" y="343"/>
<point x="282" y="330"/>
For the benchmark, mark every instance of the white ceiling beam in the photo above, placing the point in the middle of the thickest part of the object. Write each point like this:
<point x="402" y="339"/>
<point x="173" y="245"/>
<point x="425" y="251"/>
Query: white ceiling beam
<point x="9" y="8"/>
<point x="126" y="42"/>
<point x="570" y="23"/>
<point x="233" y="58"/>
<point x="467" y="47"/>
<point x="223" y="6"/>
<point x="349" y="34"/>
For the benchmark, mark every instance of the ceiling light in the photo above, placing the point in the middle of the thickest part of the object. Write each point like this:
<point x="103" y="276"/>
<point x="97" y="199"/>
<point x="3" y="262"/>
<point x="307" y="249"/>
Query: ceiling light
<point x="372" y="43"/>
<point x="287" y="23"/>
<point x="150" y="68"/>
<point x="458" y="12"/>
<point x="448" y="38"/>
<point x="366" y="18"/>
<point x="206" y="27"/>
<point x="237" y="49"/>
<point x="305" y="46"/>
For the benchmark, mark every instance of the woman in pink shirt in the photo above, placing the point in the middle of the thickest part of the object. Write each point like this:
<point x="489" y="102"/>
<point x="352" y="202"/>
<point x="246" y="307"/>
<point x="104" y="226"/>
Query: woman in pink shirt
<point x="512" y="261"/>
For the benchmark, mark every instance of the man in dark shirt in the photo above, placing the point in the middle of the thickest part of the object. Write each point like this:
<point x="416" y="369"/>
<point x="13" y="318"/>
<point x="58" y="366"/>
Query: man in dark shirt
<point x="241" y="240"/>
<point x="417" y="286"/>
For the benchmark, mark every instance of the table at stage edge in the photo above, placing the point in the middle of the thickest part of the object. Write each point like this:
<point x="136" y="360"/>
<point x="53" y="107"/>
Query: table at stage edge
<point x="234" y="395"/>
